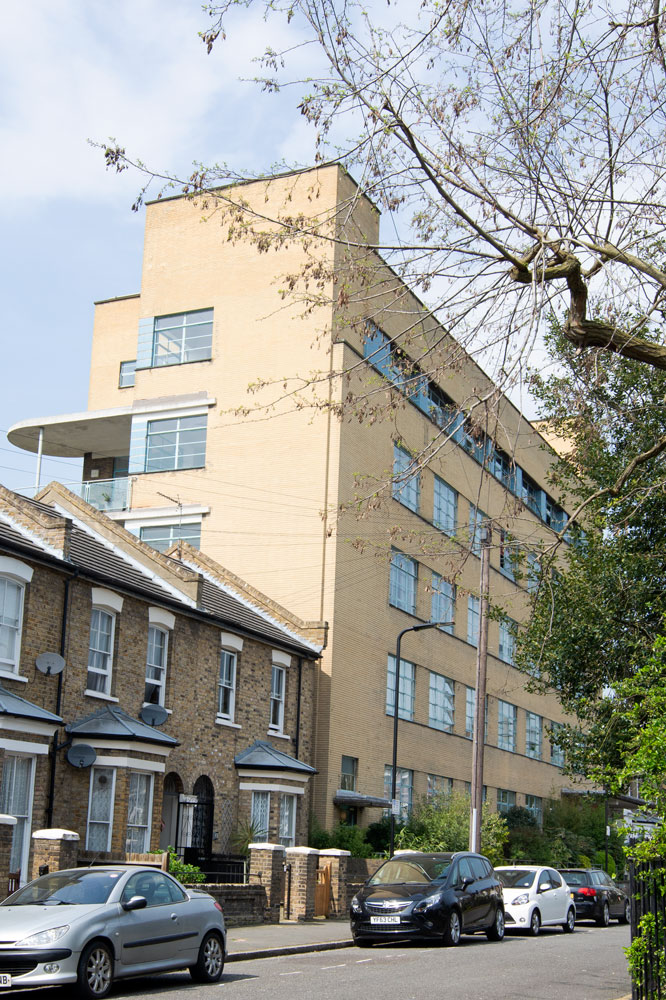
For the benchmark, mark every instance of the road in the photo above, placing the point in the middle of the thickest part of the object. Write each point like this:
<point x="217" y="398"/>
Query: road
<point x="588" y="965"/>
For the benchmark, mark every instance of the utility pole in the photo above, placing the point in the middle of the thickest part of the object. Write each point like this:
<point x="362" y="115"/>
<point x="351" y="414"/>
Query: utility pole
<point x="480" y="698"/>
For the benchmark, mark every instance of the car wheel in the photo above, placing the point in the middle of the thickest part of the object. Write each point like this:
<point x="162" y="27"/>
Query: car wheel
<point x="452" y="929"/>
<point x="570" y="923"/>
<point x="604" y="919"/>
<point x="625" y="917"/>
<point x="210" y="961"/>
<point x="535" y="923"/>
<point x="496" y="931"/>
<point x="94" y="977"/>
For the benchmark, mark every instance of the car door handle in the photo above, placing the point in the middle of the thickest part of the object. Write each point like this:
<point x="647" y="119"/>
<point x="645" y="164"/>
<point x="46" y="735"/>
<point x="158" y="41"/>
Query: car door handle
<point x="174" y="916"/>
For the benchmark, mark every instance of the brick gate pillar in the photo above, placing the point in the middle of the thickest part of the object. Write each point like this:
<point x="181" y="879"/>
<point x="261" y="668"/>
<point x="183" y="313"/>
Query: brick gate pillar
<point x="304" y="862"/>
<point x="57" y="849"/>
<point x="339" y="862"/>
<point x="267" y="868"/>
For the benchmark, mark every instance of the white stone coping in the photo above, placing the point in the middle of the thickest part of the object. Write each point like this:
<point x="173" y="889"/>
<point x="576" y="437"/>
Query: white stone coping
<point x="55" y="835"/>
<point x="266" y="847"/>
<point x="301" y="850"/>
<point x="334" y="852"/>
<point x="7" y="820"/>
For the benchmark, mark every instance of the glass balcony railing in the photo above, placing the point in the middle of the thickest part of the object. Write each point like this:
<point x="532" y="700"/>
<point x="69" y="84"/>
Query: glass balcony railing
<point x="105" y="494"/>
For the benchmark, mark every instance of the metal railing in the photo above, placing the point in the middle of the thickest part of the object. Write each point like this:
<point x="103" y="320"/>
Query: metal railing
<point x="647" y="891"/>
<point x="105" y="494"/>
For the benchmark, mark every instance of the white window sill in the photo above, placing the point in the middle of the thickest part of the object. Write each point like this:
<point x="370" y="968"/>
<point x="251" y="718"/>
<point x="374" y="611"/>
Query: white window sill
<point x="100" y="695"/>
<point x="10" y="675"/>
<point x="278" y="734"/>
<point x="221" y="721"/>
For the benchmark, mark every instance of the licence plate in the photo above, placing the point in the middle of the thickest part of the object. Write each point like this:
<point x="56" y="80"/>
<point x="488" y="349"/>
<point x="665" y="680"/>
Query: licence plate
<point x="5" y="979"/>
<point x="385" y="920"/>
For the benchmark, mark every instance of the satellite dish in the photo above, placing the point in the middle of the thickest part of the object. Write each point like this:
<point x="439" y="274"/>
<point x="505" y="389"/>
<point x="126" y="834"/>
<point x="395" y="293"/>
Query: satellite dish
<point x="153" y="715"/>
<point x="50" y="663"/>
<point x="81" y="755"/>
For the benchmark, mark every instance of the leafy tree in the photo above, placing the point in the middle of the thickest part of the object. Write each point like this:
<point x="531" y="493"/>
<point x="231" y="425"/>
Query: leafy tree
<point x="442" y="824"/>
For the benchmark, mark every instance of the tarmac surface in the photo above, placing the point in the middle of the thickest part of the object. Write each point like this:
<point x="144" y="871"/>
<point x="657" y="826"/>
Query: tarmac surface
<point x="286" y="938"/>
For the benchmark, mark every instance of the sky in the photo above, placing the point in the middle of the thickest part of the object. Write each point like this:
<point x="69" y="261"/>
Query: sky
<point x="80" y="70"/>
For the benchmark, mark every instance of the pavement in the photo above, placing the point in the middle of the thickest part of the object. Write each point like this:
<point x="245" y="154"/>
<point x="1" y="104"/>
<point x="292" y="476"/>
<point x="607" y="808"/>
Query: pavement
<point x="286" y="938"/>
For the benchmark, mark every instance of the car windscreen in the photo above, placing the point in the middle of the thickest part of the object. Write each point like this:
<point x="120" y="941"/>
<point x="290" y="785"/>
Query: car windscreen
<point x="84" y="887"/>
<point x="424" y="870"/>
<point x="518" y="878"/>
<point x="575" y="878"/>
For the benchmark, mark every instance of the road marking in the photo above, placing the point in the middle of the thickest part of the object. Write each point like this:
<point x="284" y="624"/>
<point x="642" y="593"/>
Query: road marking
<point x="341" y="966"/>
<point x="300" y="973"/>
<point x="360" y="961"/>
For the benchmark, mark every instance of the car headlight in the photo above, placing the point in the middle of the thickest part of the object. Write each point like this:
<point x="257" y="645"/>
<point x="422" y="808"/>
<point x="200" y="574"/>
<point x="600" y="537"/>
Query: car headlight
<point x="521" y="900"/>
<point x="44" y="938"/>
<point x="427" y="904"/>
<point x="355" y="905"/>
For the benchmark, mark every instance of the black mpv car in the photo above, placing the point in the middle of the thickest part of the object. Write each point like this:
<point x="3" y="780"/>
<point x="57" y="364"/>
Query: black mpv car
<point x="424" y="895"/>
<point x="596" y="896"/>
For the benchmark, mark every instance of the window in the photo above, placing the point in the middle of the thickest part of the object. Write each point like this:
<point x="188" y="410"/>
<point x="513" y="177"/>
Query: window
<point x="277" y="698"/>
<point x="534" y="805"/>
<point x="156" y="663"/>
<point x="402" y="582"/>
<point x="176" y="443"/>
<point x="348" y="773"/>
<point x="162" y="536"/>
<point x="406" y="483"/>
<point x="509" y="555"/>
<point x="470" y="709"/>
<point x="404" y="788"/>
<point x="155" y="887"/>
<point x="182" y="337"/>
<point x="443" y="602"/>
<point x="438" y="786"/>
<point x="139" y="808"/>
<point x="533" y="573"/>
<point x="505" y="800"/>
<point x="507" y="641"/>
<point x="16" y="795"/>
<point x="127" y="376"/>
<point x="445" y="507"/>
<point x="406" y="693"/>
<point x="287" y="820"/>
<point x="226" y="687"/>
<point x="507" y="718"/>
<point x="532" y="495"/>
<point x="441" y="703"/>
<point x="501" y="466"/>
<point x="473" y="615"/>
<point x="533" y="735"/>
<point x="260" y="813"/>
<point x="100" y="809"/>
<point x="11" y="614"/>
<point x="477" y="521"/>
<point x="556" y="752"/>
<point x="100" y="651"/>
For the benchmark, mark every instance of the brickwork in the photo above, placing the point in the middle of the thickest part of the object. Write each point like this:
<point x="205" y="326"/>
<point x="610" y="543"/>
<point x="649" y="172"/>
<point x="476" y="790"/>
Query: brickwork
<point x="54" y="850"/>
<point x="242" y="904"/>
<point x="304" y="863"/>
<point x="267" y="869"/>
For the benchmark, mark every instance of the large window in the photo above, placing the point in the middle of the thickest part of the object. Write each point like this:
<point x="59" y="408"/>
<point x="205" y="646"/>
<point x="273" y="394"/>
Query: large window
<point x="556" y="752"/>
<point x="533" y="734"/>
<point x="443" y="602"/>
<point x="182" y="337"/>
<point x="477" y="520"/>
<point x="162" y="536"/>
<point x="348" y="773"/>
<point x="226" y="687"/>
<point x="260" y="815"/>
<point x="441" y="702"/>
<point x="11" y="614"/>
<point x="534" y="804"/>
<point x="100" y="651"/>
<point x="402" y="582"/>
<point x="100" y="809"/>
<point x="404" y="788"/>
<point x="445" y="507"/>
<point x="139" y="806"/>
<point x="473" y="619"/>
<point x="287" y="831"/>
<point x="509" y="555"/>
<point x="176" y="443"/>
<point x="156" y="665"/>
<point x="470" y="711"/>
<point x="406" y="694"/>
<point x="505" y="800"/>
<point x="507" y="641"/>
<point x="438" y="786"/>
<point x="507" y="716"/>
<point x="405" y="479"/>
<point x="277" y="698"/>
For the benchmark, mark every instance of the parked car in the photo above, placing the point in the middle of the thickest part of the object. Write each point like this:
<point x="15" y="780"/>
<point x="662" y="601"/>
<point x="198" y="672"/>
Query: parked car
<point x="423" y="895"/>
<point x="536" y="897"/>
<point x="596" y="896"/>
<point x="90" y="926"/>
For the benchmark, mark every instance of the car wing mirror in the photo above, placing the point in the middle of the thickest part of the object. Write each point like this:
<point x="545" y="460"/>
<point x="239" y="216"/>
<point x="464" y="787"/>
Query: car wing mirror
<point x="468" y="880"/>
<point x="135" y="903"/>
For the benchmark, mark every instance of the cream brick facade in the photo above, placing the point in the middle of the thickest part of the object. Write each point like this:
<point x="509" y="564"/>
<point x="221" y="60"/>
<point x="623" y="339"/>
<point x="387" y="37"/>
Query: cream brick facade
<point x="268" y="493"/>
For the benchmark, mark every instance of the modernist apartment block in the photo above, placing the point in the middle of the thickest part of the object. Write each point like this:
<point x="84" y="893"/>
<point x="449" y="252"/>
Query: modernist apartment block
<point x="145" y="702"/>
<point x="175" y="448"/>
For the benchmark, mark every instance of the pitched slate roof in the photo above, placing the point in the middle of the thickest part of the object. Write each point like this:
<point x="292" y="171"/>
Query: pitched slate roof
<point x="111" y="722"/>
<point x="11" y="704"/>
<point x="265" y="756"/>
<point x="219" y="600"/>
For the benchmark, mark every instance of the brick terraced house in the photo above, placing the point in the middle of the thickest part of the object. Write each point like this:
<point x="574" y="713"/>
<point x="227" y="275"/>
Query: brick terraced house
<point x="193" y="690"/>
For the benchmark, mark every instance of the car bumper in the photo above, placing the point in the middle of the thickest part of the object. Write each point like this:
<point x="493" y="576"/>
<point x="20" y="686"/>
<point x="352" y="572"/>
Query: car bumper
<point x="587" y="910"/>
<point x="409" y="926"/>
<point x="39" y="966"/>
<point x="517" y="917"/>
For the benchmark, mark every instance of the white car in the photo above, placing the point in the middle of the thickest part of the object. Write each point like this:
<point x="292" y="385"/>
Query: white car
<point x="536" y="897"/>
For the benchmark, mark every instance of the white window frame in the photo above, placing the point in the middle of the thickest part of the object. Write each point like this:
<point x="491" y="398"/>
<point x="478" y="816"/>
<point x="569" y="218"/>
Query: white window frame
<point x="19" y="574"/>
<point x="179" y="355"/>
<point x="287" y="820"/>
<point x="106" y="673"/>
<point x="23" y="826"/>
<point x="181" y="459"/>
<point x="167" y="533"/>
<point x="473" y="619"/>
<point x="441" y="702"/>
<point x="406" y="487"/>
<point x="260" y="810"/>
<point x="101" y="822"/>
<point x="445" y="507"/>
<point x="407" y="684"/>
<point x="507" y="721"/>
<point x="533" y="735"/>
<point x="146" y="827"/>
<point x="227" y="684"/>
<point x="157" y="682"/>
<point x="403" y="579"/>
<point x="443" y="602"/>
<point x="277" y="699"/>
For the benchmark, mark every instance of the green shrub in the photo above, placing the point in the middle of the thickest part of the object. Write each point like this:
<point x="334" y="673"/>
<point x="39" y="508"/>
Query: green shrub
<point x="187" y="874"/>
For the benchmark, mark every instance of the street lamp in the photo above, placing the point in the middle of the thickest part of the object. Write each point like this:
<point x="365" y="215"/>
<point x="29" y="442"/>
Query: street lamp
<point x="394" y="767"/>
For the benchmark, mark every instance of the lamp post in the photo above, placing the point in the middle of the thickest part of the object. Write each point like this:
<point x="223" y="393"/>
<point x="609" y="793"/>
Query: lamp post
<point x="394" y="765"/>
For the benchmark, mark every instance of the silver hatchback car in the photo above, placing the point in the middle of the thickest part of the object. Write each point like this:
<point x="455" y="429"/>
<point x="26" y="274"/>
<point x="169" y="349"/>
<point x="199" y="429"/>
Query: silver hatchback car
<point x="89" y="926"/>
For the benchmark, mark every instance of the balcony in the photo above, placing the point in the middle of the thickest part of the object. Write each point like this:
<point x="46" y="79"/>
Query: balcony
<point x="105" y="494"/>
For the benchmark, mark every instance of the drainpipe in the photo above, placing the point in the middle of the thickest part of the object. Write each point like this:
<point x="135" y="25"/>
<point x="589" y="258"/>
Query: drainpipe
<point x="55" y="745"/>
<point x="298" y="708"/>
